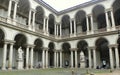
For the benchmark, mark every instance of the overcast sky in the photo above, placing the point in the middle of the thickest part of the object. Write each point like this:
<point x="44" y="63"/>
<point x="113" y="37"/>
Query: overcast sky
<point x="64" y="4"/>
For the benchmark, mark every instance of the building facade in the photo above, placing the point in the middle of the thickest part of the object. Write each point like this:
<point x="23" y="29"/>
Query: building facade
<point x="51" y="39"/>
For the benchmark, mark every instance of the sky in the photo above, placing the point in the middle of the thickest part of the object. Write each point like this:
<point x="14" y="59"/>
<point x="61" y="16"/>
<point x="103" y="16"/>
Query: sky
<point x="60" y="5"/>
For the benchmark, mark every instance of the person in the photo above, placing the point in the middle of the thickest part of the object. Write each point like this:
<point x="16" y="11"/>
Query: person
<point x="20" y="52"/>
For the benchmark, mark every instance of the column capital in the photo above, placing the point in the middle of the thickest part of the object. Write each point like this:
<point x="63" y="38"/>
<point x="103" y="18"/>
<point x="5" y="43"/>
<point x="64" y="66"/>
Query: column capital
<point x="113" y="45"/>
<point x="9" y="41"/>
<point x="31" y="9"/>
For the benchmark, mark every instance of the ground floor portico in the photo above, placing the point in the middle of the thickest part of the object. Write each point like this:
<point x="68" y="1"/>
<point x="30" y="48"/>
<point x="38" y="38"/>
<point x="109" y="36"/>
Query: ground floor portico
<point x="39" y="52"/>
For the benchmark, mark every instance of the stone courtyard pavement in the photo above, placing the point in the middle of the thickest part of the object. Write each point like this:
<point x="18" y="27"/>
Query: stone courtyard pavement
<point x="117" y="72"/>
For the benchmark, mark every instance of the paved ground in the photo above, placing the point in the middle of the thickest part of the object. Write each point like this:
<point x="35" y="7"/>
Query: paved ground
<point x="59" y="71"/>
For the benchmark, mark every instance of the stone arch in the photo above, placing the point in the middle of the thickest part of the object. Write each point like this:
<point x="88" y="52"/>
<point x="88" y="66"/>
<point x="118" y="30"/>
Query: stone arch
<point x="80" y="19"/>
<point x="23" y="9"/>
<point x="39" y="17"/>
<point x="65" y="25"/>
<point x="116" y="10"/>
<point x="99" y="17"/>
<point x="38" y="44"/>
<point x="82" y="46"/>
<point x="51" y="23"/>
<point x="51" y="47"/>
<point x="102" y="51"/>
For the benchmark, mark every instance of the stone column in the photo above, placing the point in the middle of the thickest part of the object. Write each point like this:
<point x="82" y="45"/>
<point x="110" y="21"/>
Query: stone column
<point x="112" y="18"/>
<point x="9" y="8"/>
<point x="43" y="58"/>
<point x="60" y="30"/>
<point x="75" y="30"/>
<point x="47" y="58"/>
<point x="76" y="62"/>
<point x="29" y="20"/>
<point x="87" y="20"/>
<point x="71" y="27"/>
<point x="107" y="20"/>
<point x="90" y="63"/>
<point x="10" y="56"/>
<point x="33" y="22"/>
<point x="60" y="59"/>
<point x="92" y="25"/>
<point x="4" y="56"/>
<point x="71" y="59"/>
<point x="55" y="59"/>
<point x="44" y="25"/>
<point x="117" y="57"/>
<point x="15" y="10"/>
<point x="27" y="57"/>
<point x="94" y="58"/>
<point x="47" y="26"/>
<point x="31" y="61"/>
<point x="55" y="30"/>
<point x="111" y="57"/>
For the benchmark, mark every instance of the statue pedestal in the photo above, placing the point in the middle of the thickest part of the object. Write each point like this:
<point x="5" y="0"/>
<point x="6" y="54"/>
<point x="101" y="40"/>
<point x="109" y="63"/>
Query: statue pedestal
<point x="82" y="64"/>
<point x="20" y="64"/>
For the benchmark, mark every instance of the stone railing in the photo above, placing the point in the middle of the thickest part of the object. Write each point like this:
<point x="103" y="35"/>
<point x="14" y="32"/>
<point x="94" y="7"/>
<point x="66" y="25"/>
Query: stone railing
<point x="81" y="34"/>
<point x="100" y="30"/>
<point x="39" y="30"/>
<point x="65" y="36"/>
<point x="22" y="25"/>
<point x="3" y="19"/>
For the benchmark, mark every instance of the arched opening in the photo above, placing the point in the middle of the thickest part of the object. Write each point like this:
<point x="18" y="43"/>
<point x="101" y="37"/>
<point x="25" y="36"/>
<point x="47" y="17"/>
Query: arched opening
<point x="23" y="12"/>
<point x="99" y="17"/>
<point x="39" y="18"/>
<point x="116" y="10"/>
<point x="81" y="21"/>
<point x="2" y="36"/>
<point x="51" y="24"/>
<point x="66" y="54"/>
<point x="82" y="47"/>
<point x="118" y="42"/>
<point x="65" y="25"/>
<point x="4" y="8"/>
<point x="20" y="41"/>
<point x="38" y="53"/>
<point x="51" y="54"/>
<point x="102" y="52"/>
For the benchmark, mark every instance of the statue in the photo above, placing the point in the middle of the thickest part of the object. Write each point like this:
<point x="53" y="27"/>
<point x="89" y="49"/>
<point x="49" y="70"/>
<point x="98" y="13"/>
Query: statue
<point x="20" y="58"/>
<point x="82" y="59"/>
<point x="20" y="53"/>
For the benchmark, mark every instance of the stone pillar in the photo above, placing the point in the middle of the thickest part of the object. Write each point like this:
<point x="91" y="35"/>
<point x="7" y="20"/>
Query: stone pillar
<point x="92" y="25"/>
<point x="4" y="56"/>
<point x="75" y="30"/>
<point x="55" y="59"/>
<point x="44" y="25"/>
<point x="27" y="57"/>
<point x="94" y="58"/>
<point x="33" y="22"/>
<point x="60" y="30"/>
<point x="111" y="58"/>
<point x="47" y="58"/>
<point x="43" y="58"/>
<point x="60" y="59"/>
<point x="71" y="27"/>
<point x="90" y="63"/>
<point x="31" y="61"/>
<point x="9" y="8"/>
<point x="47" y="26"/>
<point x="29" y="19"/>
<point x="10" y="56"/>
<point x="71" y="59"/>
<point x="87" y="20"/>
<point x="55" y="30"/>
<point x="117" y="57"/>
<point x="107" y="20"/>
<point x="15" y="10"/>
<point x="112" y="18"/>
<point x="76" y="62"/>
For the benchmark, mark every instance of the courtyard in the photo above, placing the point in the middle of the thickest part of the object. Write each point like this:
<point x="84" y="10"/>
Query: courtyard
<point x="60" y="71"/>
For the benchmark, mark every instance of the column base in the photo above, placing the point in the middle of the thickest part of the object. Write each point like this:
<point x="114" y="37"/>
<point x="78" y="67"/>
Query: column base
<point x="3" y="68"/>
